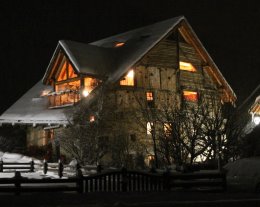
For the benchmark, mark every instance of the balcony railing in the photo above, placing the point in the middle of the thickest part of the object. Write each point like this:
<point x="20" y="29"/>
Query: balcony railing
<point x="63" y="98"/>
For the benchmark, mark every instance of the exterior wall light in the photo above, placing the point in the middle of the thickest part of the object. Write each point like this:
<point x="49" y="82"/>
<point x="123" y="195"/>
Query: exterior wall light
<point x="85" y="93"/>
<point x="256" y="120"/>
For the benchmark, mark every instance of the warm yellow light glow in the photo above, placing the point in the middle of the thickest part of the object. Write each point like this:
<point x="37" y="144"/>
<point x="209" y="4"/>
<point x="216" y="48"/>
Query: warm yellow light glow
<point x="167" y="129"/>
<point x="119" y="44"/>
<point x="187" y="66"/>
<point x="85" y="93"/>
<point x="190" y="95"/>
<point x="149" y="96"/>
<point x="130" y="74"/>
<point x="128" y="80"/>
<point x="45" y="92"/>
<point x="92" y="118"/>
<point x="256" y="120"/>
<point x="149" y="127"/>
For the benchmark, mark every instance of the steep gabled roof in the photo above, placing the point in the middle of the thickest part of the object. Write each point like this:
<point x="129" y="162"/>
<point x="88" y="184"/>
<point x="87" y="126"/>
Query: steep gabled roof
<point x="86" y="58"/>
<point x="137" y="43"/>
<point x="31" y="108"/>
<point x="104" y="59"/>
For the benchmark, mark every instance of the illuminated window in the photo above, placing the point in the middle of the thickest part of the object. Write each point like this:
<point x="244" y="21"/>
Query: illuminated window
<point x="73" y="85"/>
<point x="187" y="66"/>
<point x="190" y="96"/>
<point x="149" y="127"/>
<point x="119" y="44"/>
<point x="63" y="73"/>
<point x="128" y="80"/>
<point x="89" y="85"/>
<point x="167" y="129"/>
<point x="149" y="96"/>
<point x="66" y="72"/>
<point x="92" y="118"/>
<point x="71" y="73"/>
<point x="150" y="99"/>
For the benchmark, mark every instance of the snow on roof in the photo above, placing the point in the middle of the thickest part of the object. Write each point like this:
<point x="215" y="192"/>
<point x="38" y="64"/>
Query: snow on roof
<point x="32" y="108"/>
<point x="97" y="58"/>
<point x="137" y="43"/>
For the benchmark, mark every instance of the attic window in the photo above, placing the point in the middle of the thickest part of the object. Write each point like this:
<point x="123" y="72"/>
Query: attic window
<point x="187" y="66"/>
<point x="128" y="80"/>
<point x="119" y="44"/>
<point x="190" y="96"/>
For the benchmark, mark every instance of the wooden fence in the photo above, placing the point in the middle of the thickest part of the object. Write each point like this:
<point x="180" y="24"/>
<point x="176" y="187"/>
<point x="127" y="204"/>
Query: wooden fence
<point x="118" y="181"/>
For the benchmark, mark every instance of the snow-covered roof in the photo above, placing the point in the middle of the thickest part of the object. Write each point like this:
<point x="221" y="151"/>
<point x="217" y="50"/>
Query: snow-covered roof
<point x="32" y="108"/>
<point x="96" y="58"/>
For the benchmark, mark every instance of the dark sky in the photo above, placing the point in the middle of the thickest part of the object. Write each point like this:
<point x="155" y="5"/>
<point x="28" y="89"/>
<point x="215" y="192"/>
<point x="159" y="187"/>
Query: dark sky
<point x="30" y="30"/>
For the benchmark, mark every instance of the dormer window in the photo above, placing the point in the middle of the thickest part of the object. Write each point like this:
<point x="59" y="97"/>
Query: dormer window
<point x="187" y="66"/>
<point x="191" y="96"/>
<point x="128" y="80"/>
<point x="119" y="44"/>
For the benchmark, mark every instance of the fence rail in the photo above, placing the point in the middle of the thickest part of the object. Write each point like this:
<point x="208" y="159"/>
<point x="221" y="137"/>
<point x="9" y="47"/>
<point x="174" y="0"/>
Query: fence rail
<point x="117" y="181"/>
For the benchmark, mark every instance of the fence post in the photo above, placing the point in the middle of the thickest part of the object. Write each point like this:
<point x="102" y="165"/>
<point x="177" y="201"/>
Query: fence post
<point x="45" y="167"/>
<point x="99" y="168"/>
<point x="1" y="165"/>
<point x="124" y="179"/>
<point x="167" y="181"/>
<point x="80" y="179"/>
<point x="17" y="177"/>
<point x="60" y="169"/>
<point x="32" y="166"/>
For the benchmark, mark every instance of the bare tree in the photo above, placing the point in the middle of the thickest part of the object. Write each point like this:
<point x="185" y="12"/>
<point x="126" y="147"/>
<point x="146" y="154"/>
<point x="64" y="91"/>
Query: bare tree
<point x="192" y="131"/>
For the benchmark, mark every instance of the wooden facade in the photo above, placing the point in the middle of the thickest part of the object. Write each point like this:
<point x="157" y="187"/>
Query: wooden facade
<point x="165" y="65"/>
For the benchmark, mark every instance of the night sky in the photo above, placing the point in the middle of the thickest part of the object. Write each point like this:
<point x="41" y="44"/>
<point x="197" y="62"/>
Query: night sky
<point x="30" y="30"/>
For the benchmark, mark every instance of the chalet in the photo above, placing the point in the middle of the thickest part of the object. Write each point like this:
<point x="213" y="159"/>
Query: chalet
<point x="161" y="62"/>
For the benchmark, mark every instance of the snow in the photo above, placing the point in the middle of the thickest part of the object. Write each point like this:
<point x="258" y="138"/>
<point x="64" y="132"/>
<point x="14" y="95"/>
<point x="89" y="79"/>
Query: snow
<point x="244" y="167"/>
<point x="19" y="158"/>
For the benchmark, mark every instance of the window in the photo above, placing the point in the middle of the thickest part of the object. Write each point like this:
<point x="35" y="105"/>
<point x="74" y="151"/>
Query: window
<point x="66" y="72"/>
<point x="167" y="128"/>
<point x="119" y="44"/>
<point x="128" y="80"/>
<point x="150" y="98"/>
<point x="190" y="96"/>
<point x="187" y="66"/>
<point x="89" y="85"/>
<point x="149" y="128"/>
<point x="91" y="118"/>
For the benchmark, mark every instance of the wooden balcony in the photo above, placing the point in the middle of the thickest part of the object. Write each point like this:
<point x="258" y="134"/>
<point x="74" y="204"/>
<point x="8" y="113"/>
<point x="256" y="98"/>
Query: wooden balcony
<point x="63" y="99"/>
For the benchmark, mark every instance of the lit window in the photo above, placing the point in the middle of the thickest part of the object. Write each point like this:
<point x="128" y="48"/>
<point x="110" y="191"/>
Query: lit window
<point x="149" y="126"/>
<point x="128" y="80"/>
<point x="66" y="72"/>
<point x="92" y="118"/>
<point x="149" y="96"/>
<point x="187" y="66"/>
<point x="71" y="73"/>
<point x="63" y="73"/>
<point x="190" y="96"/>
<point x="150" y="99"/>
<point x="167" y="129"/>
<point x="119" y="44"/>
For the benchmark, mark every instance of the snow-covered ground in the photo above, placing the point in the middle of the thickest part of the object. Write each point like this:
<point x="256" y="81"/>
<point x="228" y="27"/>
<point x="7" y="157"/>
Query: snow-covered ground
<point x="19" y="158"/>
<point x="69" y="170"/>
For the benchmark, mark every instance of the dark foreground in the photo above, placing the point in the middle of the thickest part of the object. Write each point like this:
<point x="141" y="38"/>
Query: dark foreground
<point x="175" y="199"/>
